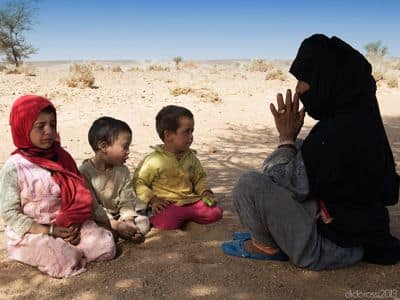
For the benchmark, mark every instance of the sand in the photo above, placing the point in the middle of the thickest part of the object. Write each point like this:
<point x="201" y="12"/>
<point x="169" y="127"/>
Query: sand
<point x="232" y="135"/>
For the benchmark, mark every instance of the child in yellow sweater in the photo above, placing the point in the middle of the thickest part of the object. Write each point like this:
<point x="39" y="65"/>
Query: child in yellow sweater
<point x="171" y="179"/>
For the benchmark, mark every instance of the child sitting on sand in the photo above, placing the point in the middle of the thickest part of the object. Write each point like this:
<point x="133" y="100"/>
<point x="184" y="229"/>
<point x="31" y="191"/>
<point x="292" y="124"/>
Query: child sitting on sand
<point x="45" y="202"/>
<point x="110" y="178"/>
<point x="171" y="179"/>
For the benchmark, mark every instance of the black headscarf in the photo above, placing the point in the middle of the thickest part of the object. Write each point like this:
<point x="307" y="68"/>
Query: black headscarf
<point x="347" y="155"/>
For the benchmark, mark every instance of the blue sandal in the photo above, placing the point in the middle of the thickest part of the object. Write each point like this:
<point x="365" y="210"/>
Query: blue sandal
<point x="236" y="248"/>
<point x="241" y="235"/>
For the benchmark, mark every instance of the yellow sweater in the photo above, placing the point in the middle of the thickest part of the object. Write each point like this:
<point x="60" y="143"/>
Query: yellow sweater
<point x="161" y="174"/>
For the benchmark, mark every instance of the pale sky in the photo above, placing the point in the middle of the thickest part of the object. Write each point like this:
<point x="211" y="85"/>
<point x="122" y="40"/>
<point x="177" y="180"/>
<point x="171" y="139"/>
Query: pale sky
<point x="202" y="30"/>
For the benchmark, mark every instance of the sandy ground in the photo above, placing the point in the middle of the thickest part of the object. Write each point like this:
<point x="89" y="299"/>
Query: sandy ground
<point x="231" y="136"/>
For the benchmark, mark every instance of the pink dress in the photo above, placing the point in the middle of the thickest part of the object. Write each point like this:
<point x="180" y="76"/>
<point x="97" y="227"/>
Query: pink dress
<point x="40" y="200"/>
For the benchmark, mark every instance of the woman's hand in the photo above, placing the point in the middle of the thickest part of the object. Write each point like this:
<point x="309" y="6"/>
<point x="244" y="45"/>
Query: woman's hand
<point x="288" y="118"/>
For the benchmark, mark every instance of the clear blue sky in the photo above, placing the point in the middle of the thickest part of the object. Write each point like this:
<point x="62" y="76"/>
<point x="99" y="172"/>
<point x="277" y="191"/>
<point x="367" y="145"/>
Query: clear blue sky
<point x="158" y="30"/>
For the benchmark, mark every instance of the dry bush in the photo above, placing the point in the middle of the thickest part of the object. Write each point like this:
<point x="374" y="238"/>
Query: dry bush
<point x="2" y="67"/>
<point x="240" y="76"/>
<point x="391" y="79"/>
<point x="275" y="74"/>
<point x="116" y="69"/>
<point x="27" y="70"/>
<point x="96" y="67"/>
<point x="207" y="95"/>
<point x="258" y="65"/>
<point x="181" y="91"/>
<point x="214" y="70"/>
<point x="393" y="83"/>
<point x="395" y="64"/>
<point x="203" y="94"/>
<point x="135" y="69"/>
<point x="158" y="68"/>
<point x="190" y="65"/>
<point x="11" y="69"/>
<point x="80" y="76"/>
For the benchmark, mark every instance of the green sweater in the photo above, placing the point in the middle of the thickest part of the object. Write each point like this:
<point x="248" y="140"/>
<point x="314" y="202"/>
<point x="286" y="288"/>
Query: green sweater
<point x="162" y="174"/>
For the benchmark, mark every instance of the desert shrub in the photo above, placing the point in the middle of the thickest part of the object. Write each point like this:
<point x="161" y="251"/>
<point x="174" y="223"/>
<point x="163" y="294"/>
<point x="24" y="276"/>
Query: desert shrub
<point x="2" y="67"/>
<point x="28" y="70"/>
<point x="395" y="64"/>
<point x="378" y="75"/>
<point x="116" y="69"/>
<point x="177" y="60"/>
<point x="11" y="69"/>
<point x="240" y="76"/>
<point x="25" y="69"/>
<point x="190" y="65"/>
<point x="214" y="70"/>
<point x="258" y="65"/>
<point x="393" y="83"/>
<point x="207" y="95"/>
<point x="80" y="76"/>
<point x="275" y="74"/>
<point x="158" y="68"/>
<point x="204" y="94"/>
<point x="376" y="49"/>
<point x="180" y="91"/>
<point x="96" y="67"/>
<point x="135" y="69"/>
<point x="391" y="79"/>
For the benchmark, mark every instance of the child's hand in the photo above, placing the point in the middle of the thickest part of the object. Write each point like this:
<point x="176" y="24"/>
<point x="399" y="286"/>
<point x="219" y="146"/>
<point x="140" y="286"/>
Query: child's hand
<point x="210" y="195"/>
<point x="69" y="234"/>
<point x="158" y="204"/>
<point x="128" y="231"/>
<point x="138" y="236"/>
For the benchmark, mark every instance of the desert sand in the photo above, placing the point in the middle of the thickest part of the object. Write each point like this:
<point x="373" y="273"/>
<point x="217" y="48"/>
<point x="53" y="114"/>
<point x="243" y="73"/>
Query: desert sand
<point x="234" y="132"/>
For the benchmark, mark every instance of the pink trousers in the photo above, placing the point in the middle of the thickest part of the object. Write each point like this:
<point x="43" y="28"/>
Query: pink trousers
<point x="173" y="216"/>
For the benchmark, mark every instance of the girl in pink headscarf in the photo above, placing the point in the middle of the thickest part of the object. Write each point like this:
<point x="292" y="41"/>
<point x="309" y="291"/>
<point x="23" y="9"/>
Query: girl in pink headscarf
<point x="45" y="202"/>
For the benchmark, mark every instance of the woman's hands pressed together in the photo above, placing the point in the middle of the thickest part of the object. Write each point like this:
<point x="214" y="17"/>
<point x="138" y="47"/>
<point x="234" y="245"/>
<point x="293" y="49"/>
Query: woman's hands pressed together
<point x="288" y="118"/>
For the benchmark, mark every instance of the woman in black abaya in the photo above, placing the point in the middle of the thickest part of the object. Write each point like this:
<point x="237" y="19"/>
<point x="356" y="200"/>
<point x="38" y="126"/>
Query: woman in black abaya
<point x="323" y="202"/>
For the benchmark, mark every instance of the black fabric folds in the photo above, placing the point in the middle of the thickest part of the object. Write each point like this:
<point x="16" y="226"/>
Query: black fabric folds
<point x="347" y="155"/>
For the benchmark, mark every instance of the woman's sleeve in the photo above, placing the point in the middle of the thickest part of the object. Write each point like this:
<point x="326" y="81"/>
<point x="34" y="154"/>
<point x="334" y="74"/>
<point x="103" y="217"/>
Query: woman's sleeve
<point x="10" y="201"/>
<point x="285" y="166"/>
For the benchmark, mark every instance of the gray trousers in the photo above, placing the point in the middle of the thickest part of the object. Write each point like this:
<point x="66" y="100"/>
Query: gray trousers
<point x="275" y="218"/>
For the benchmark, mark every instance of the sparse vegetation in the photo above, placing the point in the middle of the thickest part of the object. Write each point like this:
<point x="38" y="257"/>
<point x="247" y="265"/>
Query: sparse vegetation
<point x="376" y="49"/>
<point x="177" y="60"/>
<point x="80" y="76"/>
<point x="116" y="69"/>
<point x="275" y="74"/>
<point x="16" y="17"/>
<point x="25" y="69"/>
<point x="393" y="83"/>
<point x="203" y="94"/>
<point x="190" y="65"/>
<point x="96" y="67"/>
<point x="158" y="68"/>
<point x="383" y="69"/>
<point x="135" y="69"/>
<point x="258" y="65"/>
